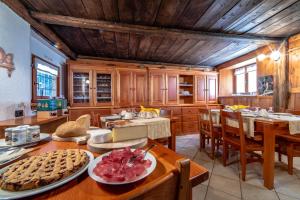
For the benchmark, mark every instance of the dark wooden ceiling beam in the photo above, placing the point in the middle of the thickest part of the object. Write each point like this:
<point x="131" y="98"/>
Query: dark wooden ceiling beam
<point x="149" y="30"/>
<point x="20" y="9"/>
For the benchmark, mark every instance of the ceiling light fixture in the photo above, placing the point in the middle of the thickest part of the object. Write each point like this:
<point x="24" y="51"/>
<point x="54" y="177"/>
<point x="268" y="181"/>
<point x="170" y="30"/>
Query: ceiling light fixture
<point x="275" y="55"/>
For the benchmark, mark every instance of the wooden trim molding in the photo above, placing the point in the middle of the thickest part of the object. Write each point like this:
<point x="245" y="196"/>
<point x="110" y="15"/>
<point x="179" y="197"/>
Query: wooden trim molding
<point x="34" y="81"/>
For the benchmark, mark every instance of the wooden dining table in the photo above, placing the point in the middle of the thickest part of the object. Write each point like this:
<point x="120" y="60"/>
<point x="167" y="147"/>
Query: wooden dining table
<point x="85" y="187"/>
<point x="269" y="128"/>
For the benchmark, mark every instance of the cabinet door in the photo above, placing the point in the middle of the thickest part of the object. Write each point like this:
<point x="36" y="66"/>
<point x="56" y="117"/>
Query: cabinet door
<point x="200" y="89"/>
<point x="212" y="88"/>
<point x="140" y="88"/>
<point x="103" y="88"/>
<point x="125" y="88"/>
<point x="172" y="93"/>
<point x="81" y="87"/>
<point x="157" y="88"/>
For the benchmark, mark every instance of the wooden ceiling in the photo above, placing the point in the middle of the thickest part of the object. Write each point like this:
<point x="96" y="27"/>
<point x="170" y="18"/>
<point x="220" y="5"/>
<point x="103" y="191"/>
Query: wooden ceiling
<point x="196" y="32"/>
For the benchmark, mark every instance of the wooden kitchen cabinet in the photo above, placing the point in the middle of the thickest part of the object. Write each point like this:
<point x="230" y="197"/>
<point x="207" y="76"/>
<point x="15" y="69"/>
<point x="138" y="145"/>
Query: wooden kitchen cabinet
<point x="131" y="87"/>
<point x="91" y="87"/>
<point x="164" y="88"/>
<point x="212" y="88"/>
<point x="172" y="88"/>
<point x="103" y="87"/>
<point x="157" y="88"/>
<point x="81" y="87"/>
<point x="200" y="89"/>
<point x="140" y="88"/>
<point x="124" y="91"/>
<point x="206" y="89"/>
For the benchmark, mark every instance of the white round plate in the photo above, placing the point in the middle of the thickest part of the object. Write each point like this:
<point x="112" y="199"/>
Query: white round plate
<point x="149" y="170"/>
<point x="21" y="194"/>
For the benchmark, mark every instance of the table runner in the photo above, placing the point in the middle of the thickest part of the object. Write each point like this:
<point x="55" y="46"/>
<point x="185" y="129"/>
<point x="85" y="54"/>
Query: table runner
<point x="158" y="127"/>
<point x="294" y="122"/>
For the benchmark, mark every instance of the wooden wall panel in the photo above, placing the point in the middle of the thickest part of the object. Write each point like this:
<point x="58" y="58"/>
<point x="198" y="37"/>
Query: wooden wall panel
<point x="225" y="82"/>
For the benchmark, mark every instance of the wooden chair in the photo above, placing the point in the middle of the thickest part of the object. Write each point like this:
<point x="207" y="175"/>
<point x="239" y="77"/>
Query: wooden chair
<point x="95" y="119"/>
<point x="289" y="145"/>
<point x="171" y="140"/>
<point x="235" y="137"/>
<point x="208" y="130"/>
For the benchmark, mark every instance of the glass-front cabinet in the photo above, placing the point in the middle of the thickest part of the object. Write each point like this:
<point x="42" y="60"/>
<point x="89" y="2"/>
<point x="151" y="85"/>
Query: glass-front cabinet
<point x="91" y="87"/>
<point x="103" y="83"/>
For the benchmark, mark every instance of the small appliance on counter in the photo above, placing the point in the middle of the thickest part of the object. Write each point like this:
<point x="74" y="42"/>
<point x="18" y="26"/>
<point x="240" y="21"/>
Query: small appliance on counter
<point x="47" y="108"/>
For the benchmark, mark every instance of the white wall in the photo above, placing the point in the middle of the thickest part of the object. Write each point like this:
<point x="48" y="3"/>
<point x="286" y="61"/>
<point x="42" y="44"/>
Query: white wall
<point x="15" y="37"/>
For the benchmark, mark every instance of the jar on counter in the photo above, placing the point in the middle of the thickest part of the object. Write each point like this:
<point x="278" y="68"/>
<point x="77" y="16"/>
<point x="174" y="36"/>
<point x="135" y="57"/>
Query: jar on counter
<point x="28" y="134"/>
<point x="34" y="132"/>
<point x="8" y="134"/>
<point x="18" y="136"/>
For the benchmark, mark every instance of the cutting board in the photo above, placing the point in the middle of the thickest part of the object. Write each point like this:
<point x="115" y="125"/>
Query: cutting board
<point x="105" y="147"/>
<point x="78" y="140"/>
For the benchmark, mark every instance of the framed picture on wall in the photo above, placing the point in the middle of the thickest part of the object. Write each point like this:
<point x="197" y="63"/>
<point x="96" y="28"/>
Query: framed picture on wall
<point x="265" y="85"/>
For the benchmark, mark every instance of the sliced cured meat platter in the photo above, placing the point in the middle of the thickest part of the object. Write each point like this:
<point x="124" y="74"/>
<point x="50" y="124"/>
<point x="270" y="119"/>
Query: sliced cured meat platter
<point x="122" y="166"/>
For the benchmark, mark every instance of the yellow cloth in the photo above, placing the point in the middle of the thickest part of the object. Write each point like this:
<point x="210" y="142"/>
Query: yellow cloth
<point x="156" y="110"/>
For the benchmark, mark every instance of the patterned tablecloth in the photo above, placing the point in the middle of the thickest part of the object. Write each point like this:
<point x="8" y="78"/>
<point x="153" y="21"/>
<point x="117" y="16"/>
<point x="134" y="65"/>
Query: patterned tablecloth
<point x="294" y="122"/>
<point x="158" y="127"/>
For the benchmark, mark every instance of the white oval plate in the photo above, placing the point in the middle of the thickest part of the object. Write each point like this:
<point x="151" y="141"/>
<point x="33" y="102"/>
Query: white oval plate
<point x="149" y="170"/>
<point x="21" y="194"/>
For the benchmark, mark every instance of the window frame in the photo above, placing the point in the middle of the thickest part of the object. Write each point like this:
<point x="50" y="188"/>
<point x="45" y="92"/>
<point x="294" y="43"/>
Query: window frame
<point x="246" y="78"/>
<point x="34" y="79"/>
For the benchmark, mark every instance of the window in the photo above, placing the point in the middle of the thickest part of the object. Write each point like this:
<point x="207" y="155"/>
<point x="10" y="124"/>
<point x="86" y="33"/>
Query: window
<point x="45" y="79"/>
<point x="245" y="79"/>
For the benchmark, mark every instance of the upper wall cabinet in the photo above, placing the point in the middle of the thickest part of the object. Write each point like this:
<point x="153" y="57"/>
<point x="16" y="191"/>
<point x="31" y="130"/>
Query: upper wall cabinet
<point x="89" y="86"/>
<point x="131" y="87"/>
<point x="164" y="88"/>
<point x="200" y="89"/>
<point x="212" y="88"/>
<point x="81" y="87"/>
<point x="206" y="89"/>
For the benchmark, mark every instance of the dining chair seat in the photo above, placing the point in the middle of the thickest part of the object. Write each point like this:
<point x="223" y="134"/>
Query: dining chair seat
<point x="209" y="131"/>
<point x="289" y="145"/>
<point x="251" y="145"/>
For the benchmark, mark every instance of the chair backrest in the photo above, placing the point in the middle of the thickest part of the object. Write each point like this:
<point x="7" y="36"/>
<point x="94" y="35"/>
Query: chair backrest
<point x="166" y="113"/>
<point x="95" y="118"/>
<point x="205" y="120"/>
<point x="232" y="126"/>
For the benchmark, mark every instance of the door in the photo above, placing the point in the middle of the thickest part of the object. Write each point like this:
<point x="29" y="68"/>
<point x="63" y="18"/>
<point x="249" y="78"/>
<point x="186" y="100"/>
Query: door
<point x="103" y="88"/>
<point x="200" y="89"/>
<point x="172" y="92"/>
<point x="212" y="88"/>
<point x="125" y="89"/>
<point x="81" y="87"/>
<point x="139" y="88"/>
<point x="157" y="88"/>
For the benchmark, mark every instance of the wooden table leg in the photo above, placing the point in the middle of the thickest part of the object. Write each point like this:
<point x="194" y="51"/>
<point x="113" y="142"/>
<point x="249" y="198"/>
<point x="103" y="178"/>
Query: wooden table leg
<point x="172" y="139"/>
<point x="269" y="155"/>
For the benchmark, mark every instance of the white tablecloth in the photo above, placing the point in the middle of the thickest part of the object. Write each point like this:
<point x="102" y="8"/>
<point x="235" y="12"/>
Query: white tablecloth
<point x="157" y="127"/>
<point x="294" y="122"/>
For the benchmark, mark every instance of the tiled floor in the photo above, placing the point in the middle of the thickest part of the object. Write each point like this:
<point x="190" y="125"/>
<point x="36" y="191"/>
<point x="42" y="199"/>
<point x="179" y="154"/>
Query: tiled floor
<point x="225" y="183"/>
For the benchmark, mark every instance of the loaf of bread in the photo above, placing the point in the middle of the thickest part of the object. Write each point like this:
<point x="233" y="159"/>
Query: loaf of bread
<point x="84" y="121"/>
<point x="70" y="129"/>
